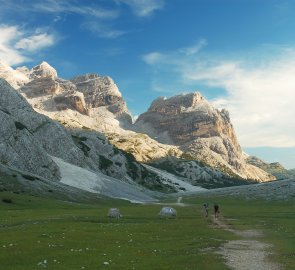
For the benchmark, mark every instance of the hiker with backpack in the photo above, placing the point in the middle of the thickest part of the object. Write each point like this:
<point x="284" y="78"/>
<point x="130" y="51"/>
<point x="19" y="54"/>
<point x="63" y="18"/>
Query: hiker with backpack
<point x="216" y="210"/>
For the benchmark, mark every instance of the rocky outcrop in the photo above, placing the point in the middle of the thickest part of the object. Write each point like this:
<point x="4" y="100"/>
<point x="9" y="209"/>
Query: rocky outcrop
<point x="102" y="92"/>
<point x="44" y="70"/>
<point x="40" y="87"/>
<point x="15" y="78"/>
<point x="197" y="128"/>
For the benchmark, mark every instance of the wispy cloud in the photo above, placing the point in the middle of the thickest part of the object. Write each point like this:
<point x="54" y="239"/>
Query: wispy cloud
<point x="94" y="12"/>
<point x="71" y="6"/>
<point x="35" y="42"/>
<point x="177" y="57"/>
<point x="153" y="57"/>
<point x="56" y="7"/>
<point x="194" y="49"/>
<point x="93" y="16"/>
<point x="102" y="30"/>
<point x="259" y="94"/>
<point x="17" y="45"/>
<point x="143" y="8"/>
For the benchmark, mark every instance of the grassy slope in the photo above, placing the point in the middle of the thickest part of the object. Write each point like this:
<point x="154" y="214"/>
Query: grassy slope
<point x="73" y="236"/>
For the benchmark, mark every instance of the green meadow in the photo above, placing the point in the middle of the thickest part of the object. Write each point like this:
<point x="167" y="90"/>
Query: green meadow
<point x="39" y="233"/>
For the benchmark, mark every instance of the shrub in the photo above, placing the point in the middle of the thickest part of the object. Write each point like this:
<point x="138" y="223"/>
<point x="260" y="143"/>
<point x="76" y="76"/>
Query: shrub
<point x="7" y="200"/>
<point x="104" y="163"/>
<point x="20" y="126"/>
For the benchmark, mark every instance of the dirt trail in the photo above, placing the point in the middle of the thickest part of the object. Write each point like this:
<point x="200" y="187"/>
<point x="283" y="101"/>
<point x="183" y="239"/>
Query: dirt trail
<point x="248" y="253"/>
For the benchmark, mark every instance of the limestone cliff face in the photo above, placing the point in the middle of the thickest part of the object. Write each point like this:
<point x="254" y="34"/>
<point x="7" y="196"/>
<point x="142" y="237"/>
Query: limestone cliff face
<point x="102" y="91"/>
<point x="184" y="118"/>
<point x="199" y="129"/>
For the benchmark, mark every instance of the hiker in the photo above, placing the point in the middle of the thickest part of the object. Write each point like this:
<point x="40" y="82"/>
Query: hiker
<point x="216" y="210"/>
<point x="206" y="209"/>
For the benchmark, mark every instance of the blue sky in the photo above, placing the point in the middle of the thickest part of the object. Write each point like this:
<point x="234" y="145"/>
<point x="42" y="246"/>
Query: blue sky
<point x="240" y="54"/>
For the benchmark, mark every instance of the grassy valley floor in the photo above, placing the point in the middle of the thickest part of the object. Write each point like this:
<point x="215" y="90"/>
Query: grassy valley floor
<point x="38" y="233"/>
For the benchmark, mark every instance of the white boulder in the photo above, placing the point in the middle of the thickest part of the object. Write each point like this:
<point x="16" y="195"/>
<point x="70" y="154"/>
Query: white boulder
<point x="114" y="213"/>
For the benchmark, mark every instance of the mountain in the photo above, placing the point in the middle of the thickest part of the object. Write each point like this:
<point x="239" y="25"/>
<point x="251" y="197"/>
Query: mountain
<point x="274" y="168"/>
<point x="35" y="144"/>
<point x="203" y="132"/>
<point x="96" y="128"/>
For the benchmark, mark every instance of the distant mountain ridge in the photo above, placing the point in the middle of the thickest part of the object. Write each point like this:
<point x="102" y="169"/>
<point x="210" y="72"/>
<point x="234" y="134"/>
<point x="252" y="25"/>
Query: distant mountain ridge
<point x="89" y="103"/>
<point x="274" y="168"/>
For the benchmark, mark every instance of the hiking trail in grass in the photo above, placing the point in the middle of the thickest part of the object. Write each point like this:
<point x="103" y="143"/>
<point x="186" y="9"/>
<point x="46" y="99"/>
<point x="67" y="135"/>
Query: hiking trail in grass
<point x="247" y="253"/>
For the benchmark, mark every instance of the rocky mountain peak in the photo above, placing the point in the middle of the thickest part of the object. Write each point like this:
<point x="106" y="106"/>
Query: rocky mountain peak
<point x="190" y="122"/>
<point x="185" y="118"/>
<point x="177" y="104"/>
<point x="14" y="77"/>
<point x="102" y="92"/>
<point x="94" y="83"/>
<point x="43" y="70"/>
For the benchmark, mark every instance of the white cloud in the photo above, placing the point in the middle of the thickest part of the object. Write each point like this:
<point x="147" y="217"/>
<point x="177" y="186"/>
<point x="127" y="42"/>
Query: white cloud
<point x="194" y="49"/>
<point x="58" y="7"/>
<point x="143" y="8"/>
<point x="259" y="96"/>
<point x="17" y="45"/>
<point x="70" y="6"/>
<point x="152" y="58"/>
<point x="94" y="12"/>
<point x="102" y="30"/>
<point x="8" y="35"/>
<point x="261" y="100"/>
<point x="174" y="58"/>
<point x="35" y="42"/>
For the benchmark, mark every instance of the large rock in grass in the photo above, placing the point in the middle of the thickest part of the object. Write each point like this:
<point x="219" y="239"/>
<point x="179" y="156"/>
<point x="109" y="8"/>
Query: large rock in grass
<point x="168" y="212"/>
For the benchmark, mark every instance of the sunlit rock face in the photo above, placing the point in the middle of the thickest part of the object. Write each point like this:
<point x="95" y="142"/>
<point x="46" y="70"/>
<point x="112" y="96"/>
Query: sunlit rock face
<point x="44" y="70"/>
<point x="190" y="122"/>
<point x="102" y="92"/>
